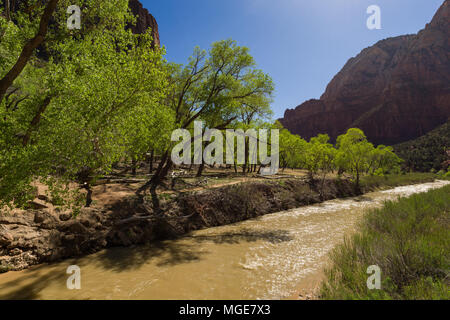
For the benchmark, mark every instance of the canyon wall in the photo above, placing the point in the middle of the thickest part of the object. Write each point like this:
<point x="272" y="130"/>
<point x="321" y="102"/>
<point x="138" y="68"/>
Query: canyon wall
<point x="396" y="90"/>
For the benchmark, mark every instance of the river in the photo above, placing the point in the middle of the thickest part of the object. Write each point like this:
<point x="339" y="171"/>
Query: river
<point x="272" y="257"/>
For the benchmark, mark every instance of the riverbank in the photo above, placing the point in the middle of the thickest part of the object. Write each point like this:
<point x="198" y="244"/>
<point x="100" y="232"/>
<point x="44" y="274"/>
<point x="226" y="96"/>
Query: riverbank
<point x="273" y="256"/>
<point x="37" y="236"/>
<point x="408" y="240"/>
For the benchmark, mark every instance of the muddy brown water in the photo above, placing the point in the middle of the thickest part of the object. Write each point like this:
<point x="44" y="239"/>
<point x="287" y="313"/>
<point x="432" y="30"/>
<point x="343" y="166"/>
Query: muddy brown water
<point x="271" y="257"/>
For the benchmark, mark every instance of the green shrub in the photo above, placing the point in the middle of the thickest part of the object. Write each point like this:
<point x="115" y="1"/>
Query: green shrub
<point x="379" y="172"/>
<point x="372" y="182"/>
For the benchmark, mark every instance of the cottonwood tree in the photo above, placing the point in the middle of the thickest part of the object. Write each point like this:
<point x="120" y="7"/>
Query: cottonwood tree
<point x="96" y="99"/>
<point x="292" y="149"/>
<point x="321" y="156"/>
<point x="354" y="152"/>
<point x="213" y="87"/>
<point x="30" y="45"/>
<point x="383" y="160"/>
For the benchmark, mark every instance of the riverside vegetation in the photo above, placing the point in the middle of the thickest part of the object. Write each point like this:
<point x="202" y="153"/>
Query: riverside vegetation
<point x="409" y="240"/>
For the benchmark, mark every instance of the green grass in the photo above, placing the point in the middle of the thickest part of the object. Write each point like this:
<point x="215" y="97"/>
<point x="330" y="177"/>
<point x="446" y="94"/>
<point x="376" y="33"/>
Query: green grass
<point x="409" y="240"/>
<point x="369" y="183"/>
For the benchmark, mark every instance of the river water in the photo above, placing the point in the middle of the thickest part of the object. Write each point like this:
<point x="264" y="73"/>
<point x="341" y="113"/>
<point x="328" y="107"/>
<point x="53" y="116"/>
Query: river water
<point x="271" y="257"/>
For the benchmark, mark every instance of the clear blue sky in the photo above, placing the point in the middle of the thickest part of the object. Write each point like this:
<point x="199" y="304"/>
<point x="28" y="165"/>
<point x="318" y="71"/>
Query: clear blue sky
<point x="301" y="44"/>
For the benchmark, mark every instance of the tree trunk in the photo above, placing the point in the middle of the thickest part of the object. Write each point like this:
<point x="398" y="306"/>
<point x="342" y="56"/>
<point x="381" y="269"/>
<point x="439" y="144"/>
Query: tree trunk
<point x="244" y="167"/>
<point x="165" y="170"/>
<point x="34" y="123"/>
<point x="133" y="167"/>
<point x="28" y="49"/>
<point x="152" y="155"/>
<point x="156" y="179"/>
<point x="7" y="10"/>
<point x="200" y="169"/>
<point x="357" y="180"/>
<point x="88" y="196"/>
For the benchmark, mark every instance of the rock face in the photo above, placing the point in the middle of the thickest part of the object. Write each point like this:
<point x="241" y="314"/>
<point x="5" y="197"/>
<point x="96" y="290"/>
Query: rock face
<point x="144" y="21"/>
<point x="396" y="90"/>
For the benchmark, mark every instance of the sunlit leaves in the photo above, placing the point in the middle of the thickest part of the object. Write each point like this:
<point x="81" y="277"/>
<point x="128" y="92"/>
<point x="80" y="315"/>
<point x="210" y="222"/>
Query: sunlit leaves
<point x="106" y="88"/>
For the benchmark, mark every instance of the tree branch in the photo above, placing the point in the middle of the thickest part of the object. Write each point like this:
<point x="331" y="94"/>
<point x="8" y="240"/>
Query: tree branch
<point x="28" y="49"/>
<point x="36" y="120"/>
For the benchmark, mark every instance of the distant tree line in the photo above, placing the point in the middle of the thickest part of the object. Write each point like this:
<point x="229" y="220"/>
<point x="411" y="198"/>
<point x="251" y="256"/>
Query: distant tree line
<point x="352" y="154"/>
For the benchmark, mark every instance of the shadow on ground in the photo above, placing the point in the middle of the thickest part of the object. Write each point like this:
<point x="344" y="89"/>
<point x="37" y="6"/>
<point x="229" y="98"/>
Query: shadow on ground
<point x="31" y="282"/>
<point x="184" y="250"/>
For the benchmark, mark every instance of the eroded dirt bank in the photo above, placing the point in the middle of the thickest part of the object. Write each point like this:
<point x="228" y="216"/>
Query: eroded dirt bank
<point x="37" y="236"/>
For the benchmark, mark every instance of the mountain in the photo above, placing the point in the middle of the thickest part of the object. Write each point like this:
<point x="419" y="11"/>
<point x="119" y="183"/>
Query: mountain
<point x="395" y="91"/>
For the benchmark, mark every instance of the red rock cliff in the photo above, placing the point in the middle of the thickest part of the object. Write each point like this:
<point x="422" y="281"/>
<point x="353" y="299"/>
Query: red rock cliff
<point x="396" y="90"/>
<point x="144" y="21"/>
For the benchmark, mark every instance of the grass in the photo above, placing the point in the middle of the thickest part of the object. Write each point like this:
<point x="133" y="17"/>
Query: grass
<point x="409" y="240"/>
<point x="369" y="183"/>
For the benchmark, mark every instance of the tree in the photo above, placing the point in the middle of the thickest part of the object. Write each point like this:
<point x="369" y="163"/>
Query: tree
<point x="292" y="149"/>
<point x="325" y="155"/>
<point x="8" y="79"/>
<point x="214" y="87"/>
<point x="354" y="153"/>
<point x="383" y="160"/>
<point x="97" y="99"/>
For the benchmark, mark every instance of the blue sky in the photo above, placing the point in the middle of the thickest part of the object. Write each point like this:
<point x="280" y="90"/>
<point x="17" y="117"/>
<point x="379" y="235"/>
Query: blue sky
<point x="301" y="44"/>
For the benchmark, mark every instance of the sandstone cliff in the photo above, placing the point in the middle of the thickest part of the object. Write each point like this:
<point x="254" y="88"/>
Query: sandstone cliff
<point x="396" y="90"/>
<point x="144" y="21"/>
